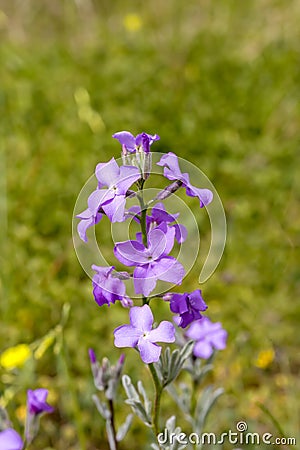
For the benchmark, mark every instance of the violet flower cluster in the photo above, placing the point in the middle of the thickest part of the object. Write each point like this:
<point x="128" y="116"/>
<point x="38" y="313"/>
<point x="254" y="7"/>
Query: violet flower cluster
<point x="148" y="256"/>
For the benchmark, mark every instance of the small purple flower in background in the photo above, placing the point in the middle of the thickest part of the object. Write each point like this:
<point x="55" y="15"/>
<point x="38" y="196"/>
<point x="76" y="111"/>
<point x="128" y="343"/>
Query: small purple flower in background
<point x="131" y="144"/>
<point x="141" y="335"/>
<point x="208" y="335"/>
<point x="109" y="288"/>
<point x="37" y="402"/>
<point x="10" y="440"/>
<point x="172" y="171"/>
<point x="187" y="305"/>
<point x="36" y="406"/>
<point x="153" y="262"/>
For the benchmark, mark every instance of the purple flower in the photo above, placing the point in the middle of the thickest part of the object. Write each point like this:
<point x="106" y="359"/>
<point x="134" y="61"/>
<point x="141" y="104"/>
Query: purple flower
<point x="108" y="288"/>
<point x="152" y="262"/>
<point x="131" y="144"/>
<point x="111" y="201"/>
<point x="187" y="305"/>
<point x="36" y="402"/>
<point x="160" y="215"/>
<point x="208" y="335"/>
<point x="10" y="440"/>
<point x="172" y="172"/>
<point x="141" y="335"/>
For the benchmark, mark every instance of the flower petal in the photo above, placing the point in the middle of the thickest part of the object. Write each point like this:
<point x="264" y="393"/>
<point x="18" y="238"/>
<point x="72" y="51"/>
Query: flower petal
<point x="128" y="176"/>
<point x="98" y="198"/>
<point x="125" y="138"/>
<point x="141" y="317"/>
<point x="107" y="173"/>
<point x="144" y="281"/>
<point x="202" y="349"/>
<point x="131" y="253"/>
<point x="10" y="440"/>
<point x="115" y="209"/>
<point x="126" y="336"/>
<point x="170" y="161"/>
<point x="205" y="195"/>
<point x="165" y="332"/>
<point x="149" y="352"/>
<point x="168" y="269"/>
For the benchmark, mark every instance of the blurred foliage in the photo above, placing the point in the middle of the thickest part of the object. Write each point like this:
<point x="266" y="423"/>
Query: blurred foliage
<point x="219" y="82"/>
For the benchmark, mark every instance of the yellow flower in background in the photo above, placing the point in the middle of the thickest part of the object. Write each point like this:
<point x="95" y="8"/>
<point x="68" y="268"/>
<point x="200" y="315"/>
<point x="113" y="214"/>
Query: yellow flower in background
<point x="15" y="356"/>
<point x="265" y="358"/>
<point x="132" y="22"/>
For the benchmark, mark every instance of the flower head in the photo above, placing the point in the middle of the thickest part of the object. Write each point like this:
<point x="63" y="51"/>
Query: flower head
<point x="108" y="288"/>
<point x="131" y="144"/>
<point x="141" y="335"/>
<point x="208" y="335"/>
<point x="172" y="171"/>
<point x="187" y="305"/>
<point x="109" y="201"/>
<point x="10" y="440"/>
<point x="152" y="262"/>
<point x="36" y="402"/>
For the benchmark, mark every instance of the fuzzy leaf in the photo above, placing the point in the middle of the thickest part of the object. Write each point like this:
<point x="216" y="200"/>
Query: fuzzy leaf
<point x="102" y="408"/>
<point x="123" y="429"/>
<point x="204" y="405"/>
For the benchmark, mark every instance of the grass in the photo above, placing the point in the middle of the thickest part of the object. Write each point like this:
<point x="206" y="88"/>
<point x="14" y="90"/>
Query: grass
<point x="219" y="82"/>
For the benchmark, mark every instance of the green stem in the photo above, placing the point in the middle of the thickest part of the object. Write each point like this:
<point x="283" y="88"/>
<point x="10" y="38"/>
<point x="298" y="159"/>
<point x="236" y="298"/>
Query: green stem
<point x="112" y="421"/>
<point x="158" y="392"/>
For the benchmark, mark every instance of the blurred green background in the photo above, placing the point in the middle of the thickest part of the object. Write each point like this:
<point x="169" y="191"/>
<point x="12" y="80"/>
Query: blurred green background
<point x="219" y="82"/>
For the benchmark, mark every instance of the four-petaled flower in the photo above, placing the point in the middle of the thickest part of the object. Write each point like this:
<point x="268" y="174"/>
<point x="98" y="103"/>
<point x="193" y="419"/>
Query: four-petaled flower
<point x="208" y="335"/>
<point x="172" y="171"/>
<point x="141" y="335"/>
<point x="131" y="143"/>
<point x="110" y="201"/>
<point x="10" y="440"/>
<point x="187" y="305"/>
<point x="109" y="288"/>
<point x="152" y="262"/>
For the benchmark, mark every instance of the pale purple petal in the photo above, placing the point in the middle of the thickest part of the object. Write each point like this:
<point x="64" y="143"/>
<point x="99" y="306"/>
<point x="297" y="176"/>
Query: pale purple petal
<point x="141" y="317"/>
<point x="180" y="232"/>
<point x="98" y="198"/>
<point x="86" y="214"/>
<point x="165" y="332"/>
<point x="125" y="138"/>
<point x="157" y="243"/>
<point x="167" y="269"/>
<point x="107" y="173"/>
<point x="83" y="226"/>
<point x="126" y="336"/>
<point x="149" y="352"/>
<point x="205" y="195"/>
<point x="131" y="253"/>
<point x="115" y="209"/>
<point x="203" y="349"/>
<point x="144" y="282"/>
<point x="128" y="176"/>
<point x="10" y="440"/>
<point x="170" y="160"/>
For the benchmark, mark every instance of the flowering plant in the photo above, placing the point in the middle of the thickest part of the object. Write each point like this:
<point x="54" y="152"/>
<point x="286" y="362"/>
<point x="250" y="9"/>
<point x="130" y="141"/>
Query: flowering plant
<point x="150" y="258"/>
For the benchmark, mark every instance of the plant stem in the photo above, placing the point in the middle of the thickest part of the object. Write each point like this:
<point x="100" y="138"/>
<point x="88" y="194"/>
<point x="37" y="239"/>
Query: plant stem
<point x="158" y="392"/>
<point x="112" y="421"/>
